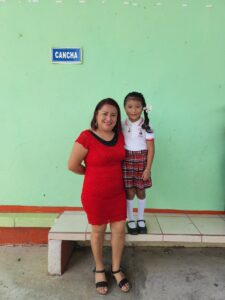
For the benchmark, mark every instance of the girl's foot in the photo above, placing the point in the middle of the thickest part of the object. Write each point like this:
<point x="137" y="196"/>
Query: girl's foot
<point x="141" y="227"/>
<point x="131" y="227"/>
<point x="101" y="283"/>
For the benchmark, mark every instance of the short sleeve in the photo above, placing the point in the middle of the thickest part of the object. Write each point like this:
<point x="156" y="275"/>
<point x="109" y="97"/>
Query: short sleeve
<point x="83" y="139"/>
<point x="150" y="136"/>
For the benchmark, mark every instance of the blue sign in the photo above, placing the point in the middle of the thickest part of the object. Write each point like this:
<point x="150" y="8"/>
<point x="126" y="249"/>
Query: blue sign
<point x="67" y="55"/>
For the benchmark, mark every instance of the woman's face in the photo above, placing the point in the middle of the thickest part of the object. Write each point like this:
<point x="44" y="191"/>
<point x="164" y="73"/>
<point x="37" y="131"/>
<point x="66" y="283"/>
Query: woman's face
<point x="106" y="117"/>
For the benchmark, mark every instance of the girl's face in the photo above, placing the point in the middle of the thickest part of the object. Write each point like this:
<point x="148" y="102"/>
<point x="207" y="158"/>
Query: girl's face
<point x="133" y="109"/>
<point x="106" y="117"/>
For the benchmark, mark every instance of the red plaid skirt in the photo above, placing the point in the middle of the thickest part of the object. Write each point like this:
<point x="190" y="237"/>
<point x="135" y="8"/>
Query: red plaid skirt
<point x="133" y="168"/>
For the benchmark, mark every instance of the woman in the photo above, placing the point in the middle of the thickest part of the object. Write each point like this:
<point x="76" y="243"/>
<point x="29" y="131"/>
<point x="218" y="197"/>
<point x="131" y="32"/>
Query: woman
<point x="103" y="196"/>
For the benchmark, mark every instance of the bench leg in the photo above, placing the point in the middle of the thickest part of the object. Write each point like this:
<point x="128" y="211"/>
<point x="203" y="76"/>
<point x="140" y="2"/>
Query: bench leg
<point x="59" y="253"/>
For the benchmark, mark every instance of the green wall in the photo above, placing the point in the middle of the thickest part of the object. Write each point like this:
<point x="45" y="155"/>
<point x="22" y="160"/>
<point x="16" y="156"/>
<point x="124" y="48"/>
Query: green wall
<point x="171" y="50"/>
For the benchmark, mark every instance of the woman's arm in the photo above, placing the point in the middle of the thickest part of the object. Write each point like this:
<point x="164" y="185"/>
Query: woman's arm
<point x="150" y="156"/>
<point x="77" y="156"/>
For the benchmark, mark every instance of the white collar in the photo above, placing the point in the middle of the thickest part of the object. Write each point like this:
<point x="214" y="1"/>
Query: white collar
<point x="136" y="123"/>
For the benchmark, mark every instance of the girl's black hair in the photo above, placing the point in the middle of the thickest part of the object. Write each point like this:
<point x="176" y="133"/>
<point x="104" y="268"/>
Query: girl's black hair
<point x="110" y="101"/>
<point x="139" y="97"/>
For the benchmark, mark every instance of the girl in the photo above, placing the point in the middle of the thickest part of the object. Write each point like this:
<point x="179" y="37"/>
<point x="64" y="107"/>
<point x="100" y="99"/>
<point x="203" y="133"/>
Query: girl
<point x="139" y="145"/>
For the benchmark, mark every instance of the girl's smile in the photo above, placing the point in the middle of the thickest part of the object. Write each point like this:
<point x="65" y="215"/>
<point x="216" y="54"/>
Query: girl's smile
<point x="133" y="109"/>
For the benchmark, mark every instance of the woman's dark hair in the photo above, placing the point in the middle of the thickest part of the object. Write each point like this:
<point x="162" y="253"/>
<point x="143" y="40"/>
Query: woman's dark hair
<point x="109" y="101"/>
<point x="139" y="97"/>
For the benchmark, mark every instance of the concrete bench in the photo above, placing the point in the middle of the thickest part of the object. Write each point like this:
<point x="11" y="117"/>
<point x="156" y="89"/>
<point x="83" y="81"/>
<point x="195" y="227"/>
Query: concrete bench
<point x="164" y="230"/>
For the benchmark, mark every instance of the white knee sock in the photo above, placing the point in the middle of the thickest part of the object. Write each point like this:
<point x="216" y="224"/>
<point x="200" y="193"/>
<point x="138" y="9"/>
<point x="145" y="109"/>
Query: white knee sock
<point x="130" y="214"/>
<point x="141" y="209"/>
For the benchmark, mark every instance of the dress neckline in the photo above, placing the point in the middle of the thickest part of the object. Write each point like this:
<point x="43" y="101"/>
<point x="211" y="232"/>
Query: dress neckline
<point x="112" y="142"/>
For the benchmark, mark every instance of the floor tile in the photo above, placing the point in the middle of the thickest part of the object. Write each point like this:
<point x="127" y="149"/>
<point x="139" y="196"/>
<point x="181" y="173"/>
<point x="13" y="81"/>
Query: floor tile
<point x="177" y="225"/>
<point x="152" y="224"/>
<point x="209" y="226"/>
<point x="204" y="216"/>
<point x="70" y="223"/>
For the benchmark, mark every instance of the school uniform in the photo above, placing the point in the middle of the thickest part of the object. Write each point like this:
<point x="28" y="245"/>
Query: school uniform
<point x="136" y="154"/>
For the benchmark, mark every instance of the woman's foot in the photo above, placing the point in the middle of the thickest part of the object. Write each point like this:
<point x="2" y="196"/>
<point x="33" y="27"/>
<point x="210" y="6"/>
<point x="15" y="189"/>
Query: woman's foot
<point x="101" y="283"/>
<point x="121" y="280"/>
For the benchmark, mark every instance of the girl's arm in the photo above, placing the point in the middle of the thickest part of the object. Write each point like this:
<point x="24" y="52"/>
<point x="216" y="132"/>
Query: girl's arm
<point x="151" y="151"/>
<point x="77" y="156"/>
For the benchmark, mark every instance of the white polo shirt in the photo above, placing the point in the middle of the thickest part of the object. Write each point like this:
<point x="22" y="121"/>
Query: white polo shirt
<point x="135" y="137"/>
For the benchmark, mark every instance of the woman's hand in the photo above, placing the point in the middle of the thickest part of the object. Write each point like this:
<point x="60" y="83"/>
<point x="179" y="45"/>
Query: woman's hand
<point x="146" y="174"/>
<point x="77" y="156"/>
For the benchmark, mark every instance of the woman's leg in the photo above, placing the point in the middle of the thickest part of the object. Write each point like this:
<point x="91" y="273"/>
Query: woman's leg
<point x="117" y="242"/>
<point x="97" y="240"/>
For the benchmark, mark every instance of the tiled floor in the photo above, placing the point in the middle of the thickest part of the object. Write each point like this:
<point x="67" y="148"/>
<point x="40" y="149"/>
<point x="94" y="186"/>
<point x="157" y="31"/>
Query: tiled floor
<point x="161" y="228"/>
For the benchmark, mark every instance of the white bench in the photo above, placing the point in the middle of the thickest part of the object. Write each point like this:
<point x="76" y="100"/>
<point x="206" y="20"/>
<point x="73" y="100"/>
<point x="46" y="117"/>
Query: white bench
<point x="183" y="230"/>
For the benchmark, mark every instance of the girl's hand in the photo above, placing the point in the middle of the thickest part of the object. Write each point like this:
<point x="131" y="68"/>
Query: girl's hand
<point x="146" y="174"/>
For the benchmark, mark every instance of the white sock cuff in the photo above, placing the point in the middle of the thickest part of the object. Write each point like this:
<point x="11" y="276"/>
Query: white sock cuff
<point x="141" y="199"/>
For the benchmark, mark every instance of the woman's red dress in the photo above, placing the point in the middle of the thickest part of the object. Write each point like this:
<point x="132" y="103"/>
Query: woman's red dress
<point x="103" y="194"/>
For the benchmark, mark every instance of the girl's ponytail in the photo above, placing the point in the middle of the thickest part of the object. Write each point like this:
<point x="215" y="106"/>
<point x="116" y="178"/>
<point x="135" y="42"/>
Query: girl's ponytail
<point x="145" y="125"/>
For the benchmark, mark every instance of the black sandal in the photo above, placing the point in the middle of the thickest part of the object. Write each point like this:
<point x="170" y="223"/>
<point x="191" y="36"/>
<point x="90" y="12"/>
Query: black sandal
<point x="100" y="284"/>
<point x="122" y="282"/>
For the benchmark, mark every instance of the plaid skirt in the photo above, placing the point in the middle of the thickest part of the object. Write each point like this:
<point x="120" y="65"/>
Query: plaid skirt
<point x="133" y="167"/>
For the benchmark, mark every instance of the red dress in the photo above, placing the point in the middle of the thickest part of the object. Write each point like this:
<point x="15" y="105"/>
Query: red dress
<point x="103" y="194"/>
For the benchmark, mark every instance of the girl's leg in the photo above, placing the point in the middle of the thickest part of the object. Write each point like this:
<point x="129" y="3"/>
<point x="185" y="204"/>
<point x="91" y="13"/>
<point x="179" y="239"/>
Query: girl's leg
<point x="140" y="193"/>
<point x="141" y="206"/>
<point x="130" y="193"/>
<point x="97" y="240"/>
<point x="117" y="242"/>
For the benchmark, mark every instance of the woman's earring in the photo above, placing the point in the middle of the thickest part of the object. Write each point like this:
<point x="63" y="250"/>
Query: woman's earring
<point x="96" y="125"/>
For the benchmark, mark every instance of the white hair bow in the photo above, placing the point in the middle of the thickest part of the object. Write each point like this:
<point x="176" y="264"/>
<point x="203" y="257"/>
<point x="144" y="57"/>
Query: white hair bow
<point x="148" y="108"/>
